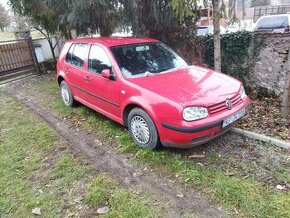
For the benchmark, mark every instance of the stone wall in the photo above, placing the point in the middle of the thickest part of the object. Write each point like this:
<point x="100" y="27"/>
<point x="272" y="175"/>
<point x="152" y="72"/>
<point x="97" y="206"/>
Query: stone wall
<point x="272" y="67"/>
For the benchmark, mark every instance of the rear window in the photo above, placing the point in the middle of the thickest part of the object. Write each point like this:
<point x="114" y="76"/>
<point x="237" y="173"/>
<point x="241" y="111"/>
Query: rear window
<point x="272" y="22"/>
<point x="76" y="55"/>
<point x="202" y="31"/>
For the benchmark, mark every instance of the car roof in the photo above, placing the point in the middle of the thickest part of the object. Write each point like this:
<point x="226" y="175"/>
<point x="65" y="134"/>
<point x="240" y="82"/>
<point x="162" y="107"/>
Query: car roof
<point x="203" y="27"/>
<point x="275" y="15"/>
<point x="113" y="41"/>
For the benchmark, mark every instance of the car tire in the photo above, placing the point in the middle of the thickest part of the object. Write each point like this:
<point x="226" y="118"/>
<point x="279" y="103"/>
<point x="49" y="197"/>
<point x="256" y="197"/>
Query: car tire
<point x="142" y="129"/>
<point x="66" y="95"/>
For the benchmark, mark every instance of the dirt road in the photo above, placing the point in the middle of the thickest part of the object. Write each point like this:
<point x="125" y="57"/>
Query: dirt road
<point x="181" y="200"/>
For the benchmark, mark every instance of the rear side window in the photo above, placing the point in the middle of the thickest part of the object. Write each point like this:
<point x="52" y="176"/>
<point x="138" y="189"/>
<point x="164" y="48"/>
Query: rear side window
<point x="69" y="54"/>
<point x="272" y="22"/>
<point x="77" y="54"/>
<point x="98" y="60"/>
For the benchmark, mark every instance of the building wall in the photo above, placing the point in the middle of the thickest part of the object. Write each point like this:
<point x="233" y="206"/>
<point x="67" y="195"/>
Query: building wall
<point x="44" y="53"/>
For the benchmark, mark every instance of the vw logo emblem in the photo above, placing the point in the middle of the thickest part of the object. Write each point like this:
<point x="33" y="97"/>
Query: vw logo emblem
<point x="229" y="104"/>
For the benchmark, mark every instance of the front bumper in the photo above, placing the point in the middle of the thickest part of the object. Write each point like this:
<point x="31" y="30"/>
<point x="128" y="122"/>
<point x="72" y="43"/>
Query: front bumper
<point x="201" y="140"/>
<point x="191" y="136"/>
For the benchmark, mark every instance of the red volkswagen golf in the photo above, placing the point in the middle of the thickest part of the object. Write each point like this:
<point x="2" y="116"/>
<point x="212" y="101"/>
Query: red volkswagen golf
<point x="144" y="85"/>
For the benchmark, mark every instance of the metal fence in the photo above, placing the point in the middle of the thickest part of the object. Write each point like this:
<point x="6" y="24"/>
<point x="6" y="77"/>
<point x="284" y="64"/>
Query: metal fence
<point x="267" y="10"/>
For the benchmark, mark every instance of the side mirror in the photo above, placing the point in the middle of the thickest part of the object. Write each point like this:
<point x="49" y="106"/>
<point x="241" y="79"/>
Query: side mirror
<point x="106" y="73"/>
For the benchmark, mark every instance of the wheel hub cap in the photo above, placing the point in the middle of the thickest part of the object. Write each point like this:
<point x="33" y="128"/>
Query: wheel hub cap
<point x="140" y="130"/>
<point x="65" y="95"/>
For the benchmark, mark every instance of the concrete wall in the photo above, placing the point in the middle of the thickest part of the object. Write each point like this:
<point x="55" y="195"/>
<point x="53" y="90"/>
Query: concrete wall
<point x="271" y="70"/>
<point x="44" y="53"/>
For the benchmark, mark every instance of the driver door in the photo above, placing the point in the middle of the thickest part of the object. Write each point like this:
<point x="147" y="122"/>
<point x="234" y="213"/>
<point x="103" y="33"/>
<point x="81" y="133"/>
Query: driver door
<point x="104" y="93"/>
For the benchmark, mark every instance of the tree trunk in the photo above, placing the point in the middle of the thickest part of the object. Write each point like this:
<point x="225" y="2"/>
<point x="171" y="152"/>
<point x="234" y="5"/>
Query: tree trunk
<point x="285" y="106"/>
<point x="134" y="16"/>
<point x="49" y="40"/>
<point x="217" y="37"/>
<point x="51" y="48"/>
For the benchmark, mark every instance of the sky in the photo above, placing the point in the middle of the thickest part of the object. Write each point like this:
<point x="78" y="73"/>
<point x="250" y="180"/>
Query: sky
<point x="4" y="3"/>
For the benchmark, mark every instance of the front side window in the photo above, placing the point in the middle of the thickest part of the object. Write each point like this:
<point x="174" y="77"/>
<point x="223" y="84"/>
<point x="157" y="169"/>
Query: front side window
<point x="98" y="60"/>
<point x="77" y="54"/>
<point x="137" y="60"/>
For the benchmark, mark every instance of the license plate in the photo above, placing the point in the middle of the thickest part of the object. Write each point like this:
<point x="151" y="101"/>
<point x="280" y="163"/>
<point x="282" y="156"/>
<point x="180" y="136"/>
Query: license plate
<point x="234" y="117"/>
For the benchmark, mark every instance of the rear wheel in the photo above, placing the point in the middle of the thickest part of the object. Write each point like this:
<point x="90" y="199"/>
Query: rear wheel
<point x="142" y="129"/>
<point x="66" y="95"/>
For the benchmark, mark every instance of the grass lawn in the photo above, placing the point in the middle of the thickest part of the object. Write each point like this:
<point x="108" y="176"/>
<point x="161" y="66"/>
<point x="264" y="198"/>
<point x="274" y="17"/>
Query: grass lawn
<point x="37" y="170"/>
<point x="242" y="196"/>
<point x="6" y="36"/>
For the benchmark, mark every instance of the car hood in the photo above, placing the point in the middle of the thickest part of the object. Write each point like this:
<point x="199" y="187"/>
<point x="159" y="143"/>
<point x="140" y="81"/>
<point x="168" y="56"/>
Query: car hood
<point x="192" y="85"/>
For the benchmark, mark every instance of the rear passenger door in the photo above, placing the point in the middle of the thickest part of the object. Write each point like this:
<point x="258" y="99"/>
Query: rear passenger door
<point x="75" y="69"/>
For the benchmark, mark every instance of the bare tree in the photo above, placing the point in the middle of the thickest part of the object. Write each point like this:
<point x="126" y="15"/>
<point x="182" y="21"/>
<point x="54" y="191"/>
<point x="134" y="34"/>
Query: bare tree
<point x="182" y="11"/>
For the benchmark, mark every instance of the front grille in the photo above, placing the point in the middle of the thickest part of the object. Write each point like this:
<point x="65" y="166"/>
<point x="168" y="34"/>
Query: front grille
<point x="220" y="107"/>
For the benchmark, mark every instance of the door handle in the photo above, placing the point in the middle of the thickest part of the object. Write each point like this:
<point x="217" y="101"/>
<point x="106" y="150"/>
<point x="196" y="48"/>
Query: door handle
<point x="66" y="70"/>
<point x="87" y="78"/>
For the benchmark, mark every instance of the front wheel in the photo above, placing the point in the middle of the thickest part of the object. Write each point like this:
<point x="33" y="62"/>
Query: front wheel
<point x="66" y="95"/>
<point x="142" y="129"/>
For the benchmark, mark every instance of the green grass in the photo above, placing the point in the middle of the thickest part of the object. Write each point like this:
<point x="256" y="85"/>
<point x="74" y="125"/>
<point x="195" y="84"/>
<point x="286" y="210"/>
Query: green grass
<point x="122" y="203"/>
<point x="24" y="142"/>
<point x="36" y="34"/>
<point x="250" y="197"/>
<point x="25" y="146"/>
<point x="68" y="170"/>
<point x="37" y="170"/>
<point x="100" y="190"/>
<point x="6" y="36"/>
<point x="126" y="204"/>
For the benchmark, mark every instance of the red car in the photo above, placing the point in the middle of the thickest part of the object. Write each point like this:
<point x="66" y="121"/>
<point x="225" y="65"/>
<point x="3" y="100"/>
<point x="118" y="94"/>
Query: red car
<point x="144" y="85"/>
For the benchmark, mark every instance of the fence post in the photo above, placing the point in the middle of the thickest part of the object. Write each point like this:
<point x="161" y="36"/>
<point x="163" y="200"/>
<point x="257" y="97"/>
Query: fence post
<point x="33" y="54"/>
<point x="285" y="106"/>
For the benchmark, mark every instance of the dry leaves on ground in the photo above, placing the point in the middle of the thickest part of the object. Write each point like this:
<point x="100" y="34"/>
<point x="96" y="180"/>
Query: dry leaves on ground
<point x="264" y="117"/>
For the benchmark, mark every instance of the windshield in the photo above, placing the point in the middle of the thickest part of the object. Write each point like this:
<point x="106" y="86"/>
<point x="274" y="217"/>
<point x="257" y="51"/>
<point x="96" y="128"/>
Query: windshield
<point x="202" y="31"/>
<point x="137" y="60"/>
<point x="272" y="22"/>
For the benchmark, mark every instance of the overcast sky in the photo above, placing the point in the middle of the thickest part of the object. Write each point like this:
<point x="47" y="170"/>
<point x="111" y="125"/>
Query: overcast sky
<point x="4" y="2"/>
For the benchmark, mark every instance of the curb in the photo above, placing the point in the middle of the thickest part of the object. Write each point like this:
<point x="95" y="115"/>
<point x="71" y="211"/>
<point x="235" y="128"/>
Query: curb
<point x="263" y="138"/>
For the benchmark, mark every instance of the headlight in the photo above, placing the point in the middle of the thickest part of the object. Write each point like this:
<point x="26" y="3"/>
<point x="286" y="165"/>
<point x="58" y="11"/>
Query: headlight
<point x="194" y="113"/>
<point x="242" y="92"/>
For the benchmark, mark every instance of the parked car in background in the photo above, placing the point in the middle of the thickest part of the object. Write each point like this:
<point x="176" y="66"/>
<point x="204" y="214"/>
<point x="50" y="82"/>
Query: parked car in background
<point x="144" y="85"/>
<point x="208" y="30"/>
<point x="273" y="23"/>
